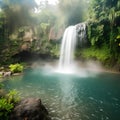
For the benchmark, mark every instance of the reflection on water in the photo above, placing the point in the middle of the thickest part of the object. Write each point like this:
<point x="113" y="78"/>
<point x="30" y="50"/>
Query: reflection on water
<point x="69" y="97"/>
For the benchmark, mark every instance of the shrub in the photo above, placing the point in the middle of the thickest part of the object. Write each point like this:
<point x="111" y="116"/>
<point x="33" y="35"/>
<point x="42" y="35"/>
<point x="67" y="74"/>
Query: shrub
<point x="5" y="108"/>
<point x="14" y="68"/>
<point x="7" y="104"/>
<point x="102" y="54"/>
<point x="13" y="96"/>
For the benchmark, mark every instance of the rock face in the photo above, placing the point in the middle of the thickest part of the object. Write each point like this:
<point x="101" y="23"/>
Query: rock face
<point x="56" y="34"/>
<point x="30" y="109"/>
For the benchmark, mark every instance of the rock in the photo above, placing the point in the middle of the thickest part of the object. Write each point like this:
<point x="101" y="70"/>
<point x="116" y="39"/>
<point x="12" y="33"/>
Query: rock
<point x="30" y="109"/>
<point x="17" y="74"/>
<point x="56" y="34"/>
<point x="28" y="35"/>
<point x="25" y="46"/>
<point x="9" y="73"/>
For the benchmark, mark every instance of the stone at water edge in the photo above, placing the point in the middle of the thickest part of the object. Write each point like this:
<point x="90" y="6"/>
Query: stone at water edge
<point x="30" y="109"/>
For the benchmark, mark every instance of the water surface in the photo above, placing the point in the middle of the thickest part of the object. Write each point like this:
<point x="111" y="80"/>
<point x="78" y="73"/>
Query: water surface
<point x="71" y="97"/>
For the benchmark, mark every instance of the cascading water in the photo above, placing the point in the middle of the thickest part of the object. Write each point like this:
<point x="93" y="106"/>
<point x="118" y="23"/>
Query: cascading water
<point x="66" y="61"/>
<point x="67" y="49"/>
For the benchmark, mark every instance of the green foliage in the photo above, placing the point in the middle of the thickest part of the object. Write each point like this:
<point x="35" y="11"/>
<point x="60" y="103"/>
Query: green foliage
<point x="16" y="68"/>
<point x="55" y="50"/>
<point x="102" y="54"/>
<point x="44" y="27"/>
<point x="13" y="15"/>
<point x="13" y="96"/>
<point x="112" y="15"/>
<point x="1" y="85"/>
<point x="4" y="105"/>
<point x="17" y="17"/>
<point x="95" y="33"/>
<point x="5" y="108"/>
<point x="46" y="20"/>
<point x="7" y="103"/>
<point x="118" y="37"/>
<point x="103" y="31"/>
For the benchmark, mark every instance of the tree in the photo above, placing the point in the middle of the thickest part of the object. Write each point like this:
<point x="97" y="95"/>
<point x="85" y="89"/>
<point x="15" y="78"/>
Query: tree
<point x="104" y="25"/>
<point x="13" y="15"/>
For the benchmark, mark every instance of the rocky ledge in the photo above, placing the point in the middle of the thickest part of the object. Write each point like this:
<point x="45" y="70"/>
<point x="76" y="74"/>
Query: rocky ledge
<point x="30" y="109"/>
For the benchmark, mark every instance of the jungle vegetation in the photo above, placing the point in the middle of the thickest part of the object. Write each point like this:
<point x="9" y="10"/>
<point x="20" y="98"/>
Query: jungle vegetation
<point x="20" y="17"/>
<point x="104" y="31"/>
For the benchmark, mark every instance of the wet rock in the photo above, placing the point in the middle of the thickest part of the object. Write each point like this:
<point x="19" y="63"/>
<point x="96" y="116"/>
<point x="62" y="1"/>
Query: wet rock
<point x="9" y="73"/>
<point x="30" y="109"/>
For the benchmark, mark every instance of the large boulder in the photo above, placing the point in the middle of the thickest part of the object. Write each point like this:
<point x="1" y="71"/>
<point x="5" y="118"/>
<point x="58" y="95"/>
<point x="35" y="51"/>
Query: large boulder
<point x="30" y="109"/>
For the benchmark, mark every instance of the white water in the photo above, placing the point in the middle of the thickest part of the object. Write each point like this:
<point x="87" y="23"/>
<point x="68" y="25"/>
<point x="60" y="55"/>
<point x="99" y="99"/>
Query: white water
<point x="67" y="49"/>
<point x="66" y="61"/>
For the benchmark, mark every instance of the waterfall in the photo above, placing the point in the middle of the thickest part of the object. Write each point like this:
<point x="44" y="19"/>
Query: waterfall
<point x="66" y="60"/>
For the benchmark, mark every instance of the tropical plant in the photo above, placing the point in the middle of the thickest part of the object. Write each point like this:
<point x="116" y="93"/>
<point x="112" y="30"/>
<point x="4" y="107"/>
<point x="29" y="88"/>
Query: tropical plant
<point x="16" y="68"/>
<point x="7" y="103"/>
<point x="5" y="108"/>
<point x="13" y="96"/>
<point x="103" y="30"/>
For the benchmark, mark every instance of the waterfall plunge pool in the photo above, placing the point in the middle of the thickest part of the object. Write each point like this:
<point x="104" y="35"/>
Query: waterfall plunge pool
<point x="71" y="97"/>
